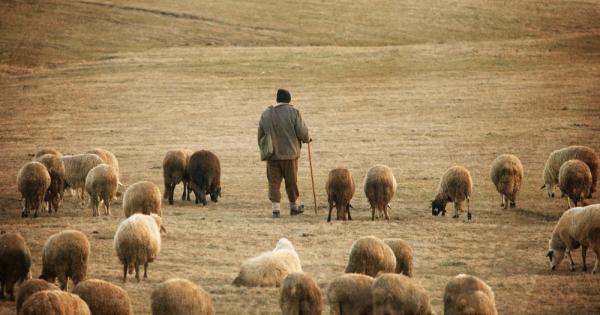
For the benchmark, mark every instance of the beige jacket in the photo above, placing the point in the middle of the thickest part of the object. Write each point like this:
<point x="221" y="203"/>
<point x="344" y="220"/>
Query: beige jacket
<point x="288" y="132"/>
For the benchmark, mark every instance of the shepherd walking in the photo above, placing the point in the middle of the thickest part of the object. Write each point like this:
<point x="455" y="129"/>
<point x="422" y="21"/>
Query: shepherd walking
<point x="281" y="132"/>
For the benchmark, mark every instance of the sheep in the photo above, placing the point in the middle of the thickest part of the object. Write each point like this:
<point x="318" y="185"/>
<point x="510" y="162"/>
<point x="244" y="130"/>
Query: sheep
<point x="404" y="256"/>
<point x="507" y="175"/>
<point x="465" y="295"/>
<point x="350" y="294"/>
<point x="204" y="170"/>
<point x="77" y="168"/>
<point x="15" y="262"/>
<point x="52" y="302"/>
<point x="180" y="297"/>
<point x="65" y="255"/>
<point x="574" y="180"/>
<point x="45" y="151"/>
<point x="399" y="294"/>
<point x="31" y="286"/>
<point x="101" y="184"/>
<point x="300" y="295"/>
<point x="56" y="169"/>
<point x="340" y="189"/>
<point x="380" y="187"/>
<point x="455" y="186"/>
<point x="33" y="180"/>
<point x="142" y="197"/>
<point x="269" y="268"/>
<point x="137" y="242"/>
<point x="370" y="255"/>
<point x="175" y="171"/>
<point x="110" y="159"/>
<point x="576" y="227"/>
<point x="104" y="298"/>
<point x="558" y="157"/>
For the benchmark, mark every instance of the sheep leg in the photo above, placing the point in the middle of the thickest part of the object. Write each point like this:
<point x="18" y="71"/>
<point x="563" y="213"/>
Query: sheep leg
<point x="125" y="265"/>
<point x="2" y="285"/>
<point x="571" y="262"/>
<point x="583" y="256"/>
<point x="597" y="252"/>
<point x="146" y="270"/>
<point x="569" y="203"/>
<point x="348" y="210"/>
<point x="503" y="204"/>
<point x="107" y="204"/>
<point x="456" y="207"/>
<point x="64" y="281"/>
<point x="24" y="211"/>
<point x="372" y="213"/>
<point x="137" y="272"/>
<point x="386" y="213"/>
<point x="329" y="216"/>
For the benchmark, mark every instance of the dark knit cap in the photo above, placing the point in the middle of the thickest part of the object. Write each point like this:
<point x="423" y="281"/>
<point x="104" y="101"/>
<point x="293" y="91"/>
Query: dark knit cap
<point x="283" y="96"/>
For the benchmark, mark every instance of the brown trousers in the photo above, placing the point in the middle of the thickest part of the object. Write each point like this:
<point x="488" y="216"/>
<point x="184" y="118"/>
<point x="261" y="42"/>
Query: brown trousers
<point x="283" y="169"/>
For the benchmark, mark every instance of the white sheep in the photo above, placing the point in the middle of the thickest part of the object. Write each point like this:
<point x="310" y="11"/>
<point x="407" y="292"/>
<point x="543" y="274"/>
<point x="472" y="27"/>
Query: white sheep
<point x="142" y="197"/>
<point x="455" y="186"/>
<point x="101" y="184"/>
<point x="350" y="294"/>
<point x="558" y="157"/>
<point x="574" y="181"/>
<point x="507" y="175"/>
<point x="77" y="168"/>
<point x="399" y="294"/>
<point x="33" y="180"/>
<point x="468" y="295"/>
<point x="108" y="158"/>
<point x="380" y="187"/>
<point x="370" y="255"/>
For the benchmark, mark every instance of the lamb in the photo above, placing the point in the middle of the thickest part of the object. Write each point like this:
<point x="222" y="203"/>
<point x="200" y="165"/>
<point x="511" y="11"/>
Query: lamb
<point x="204" y="170"/>
<point x="104" y="298"/>
<point x="350" y="294"/>
<point x="269" y="268"/>
<point x="56" y="169"/>
<point x="399" y="294"/>
<point x="466" y="294"/>
<point x="574" y="180"/>
<point x="507" y="175"/>
<point x="15" y="262"/>
<point x="300" y="294"/>
<point x="179" y="297"/>
<point x="45" y="151"/>
<point x="175" y="171"/>
<point x="380" y="187"/>
<point x="65" y="255"/>
<point x="340" y="189"/>
<point x="33" y="180"/>
<point x="576" y="227"/>
<point x="370" y="255"/>
<point x="455" y="186"/>
<point x="142" y="197"/>
<point x="52" y="302"/>
<point x="404" y="256"/>
<point x="77" y="168"/>
<point x="101" y="184"/>
<point x="558" y="157"/>
<point x="137" y="242"/>
<point x="30" y="287"/>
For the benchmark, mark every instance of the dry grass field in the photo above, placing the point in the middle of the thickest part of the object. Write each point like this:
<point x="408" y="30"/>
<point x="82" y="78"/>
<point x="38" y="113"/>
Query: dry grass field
<point x="417" y="85"/>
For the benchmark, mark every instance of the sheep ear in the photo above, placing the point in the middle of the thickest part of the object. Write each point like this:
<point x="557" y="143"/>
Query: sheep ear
<point x="550" y="254"/>
<point x="543" y="186"/>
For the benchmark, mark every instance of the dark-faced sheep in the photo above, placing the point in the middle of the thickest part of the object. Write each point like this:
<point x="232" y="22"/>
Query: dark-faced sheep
<point x="33" y="182"/>
<point x="52" y="302"/>
<point x="142" y="197"/>
<point x="399" y="294"/>
<point x="340" y="190"/>
<point x="380" y="187"/>
<point x="65" y="256"/>
<point x="104" y="298"/>
<point x="204" y="170"/>
<point x="101" y="184"/>
<point x="179" y="297"/>
<point x="558" y="157"/>
<point x="404" y="255"/>
<point x="175" y="171"/>
<point x="370" y="255"/>
<point x="507" y="175"/>
<point x="468" y="295"/>
<point x="300" y="295"/>
<point x="56" y="169"/>
<point x="76" y="169"/>
<point x="47" y="151"/>
<point x="455" y="186"/>
<point x="30" y="287"/>
<point x="350" y="294"/>
<point x="15" y="262"/>
<point x="574" y="181"/>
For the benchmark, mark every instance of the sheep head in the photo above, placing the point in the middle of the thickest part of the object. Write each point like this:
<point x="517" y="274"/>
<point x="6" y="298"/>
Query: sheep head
<point x="555" y="253"/>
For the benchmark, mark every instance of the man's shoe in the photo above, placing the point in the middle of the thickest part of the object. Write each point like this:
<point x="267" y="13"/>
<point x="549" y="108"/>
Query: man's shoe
<point x="297" y="210"/>
<point x="276" y="215"/>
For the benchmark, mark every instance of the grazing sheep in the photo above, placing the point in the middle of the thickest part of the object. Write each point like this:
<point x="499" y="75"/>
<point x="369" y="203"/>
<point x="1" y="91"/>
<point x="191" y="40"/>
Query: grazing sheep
<point x="101" y="184"/>
<point x="340" y="189"/>
<point x="104" y="298"/>
<point x="108" y="158"/>
<point x="65" y="255"/>
<point x="175" y="171"/>
<point x="181" y="297"/>
<point x="370" y="256"/>
<point x="468" y="295"/>
<point x="269" y="268"/>
<point x="507" y="175"/>
<point x="204" y="170"/>
<point x="137" y="242"/>
<point x="142" y="197"/>
<point x="404" y="256"/>
<point x="15" y="262"/>
<point x="30" y="287"/>
<point x="77" y="168"/>
<point x="399" y="294"/>
<point x="56" y="169"/>
<point x="380" y="187"/>
<point x="455" y="186"/>
<point x="350" y="294"/>
<point x="574" y="180"/>
<point x="558" y="157"/>
<point x="33" y="181"/>
<point x="52" y="302"/>
<point x="576" y="227"/>
<point x="45" y="151"/>
<point x="300" y="295"/>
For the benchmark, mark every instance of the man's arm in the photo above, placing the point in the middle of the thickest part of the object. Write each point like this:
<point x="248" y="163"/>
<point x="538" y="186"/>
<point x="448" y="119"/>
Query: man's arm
<point x="301" y="129"/>
<point x="261" y="132"/>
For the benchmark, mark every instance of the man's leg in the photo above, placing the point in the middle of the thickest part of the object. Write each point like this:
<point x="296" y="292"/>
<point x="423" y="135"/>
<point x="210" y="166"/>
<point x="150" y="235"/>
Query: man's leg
<point x="290" y="174"/>
<point x="274" y="175"/>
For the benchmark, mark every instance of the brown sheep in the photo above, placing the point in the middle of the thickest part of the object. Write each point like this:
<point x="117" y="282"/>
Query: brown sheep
<point x="404" y="256"/>
<point x="300" y="295"/>
<point x="179" y="297"/>
<point x="468" y="295"/>
<point x="340" y="189"/>
<point x="370" y="255"/>
<point x="399" y="294"/>
<point x="56" y="169"/>
<point x="104" y="298"/>
<point x="47" y="151"/>
<point x="65" y="256"/>
<point x="15" y="262"/>
<point x="507" y="175"/>
<point x="574" y="181"/>
<point x="31" y="286"/>
<point x="52" y="302"/>
<point x="142" y="197"/>
<point x="204" y="170"/>
<point x="101" y="184"/>
<point x="350" y="294"/>
<point x="175" y="171"/>
<point x="380" y="187"/>
<point x="33" y="181"/>
<point x="455" y="186"/>
<point x="558" y="157"/>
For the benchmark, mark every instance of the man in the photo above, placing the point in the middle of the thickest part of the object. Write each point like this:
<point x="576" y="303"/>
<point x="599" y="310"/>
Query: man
<point x="287" y="129"/>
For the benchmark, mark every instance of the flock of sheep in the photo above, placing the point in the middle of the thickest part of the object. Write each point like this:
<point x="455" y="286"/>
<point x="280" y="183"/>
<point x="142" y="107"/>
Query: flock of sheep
<point x="377" y="279"/>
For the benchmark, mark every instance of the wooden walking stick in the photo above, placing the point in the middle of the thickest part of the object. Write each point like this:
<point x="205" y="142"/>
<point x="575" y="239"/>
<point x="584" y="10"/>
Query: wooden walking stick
<point x="312" y="178"/>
